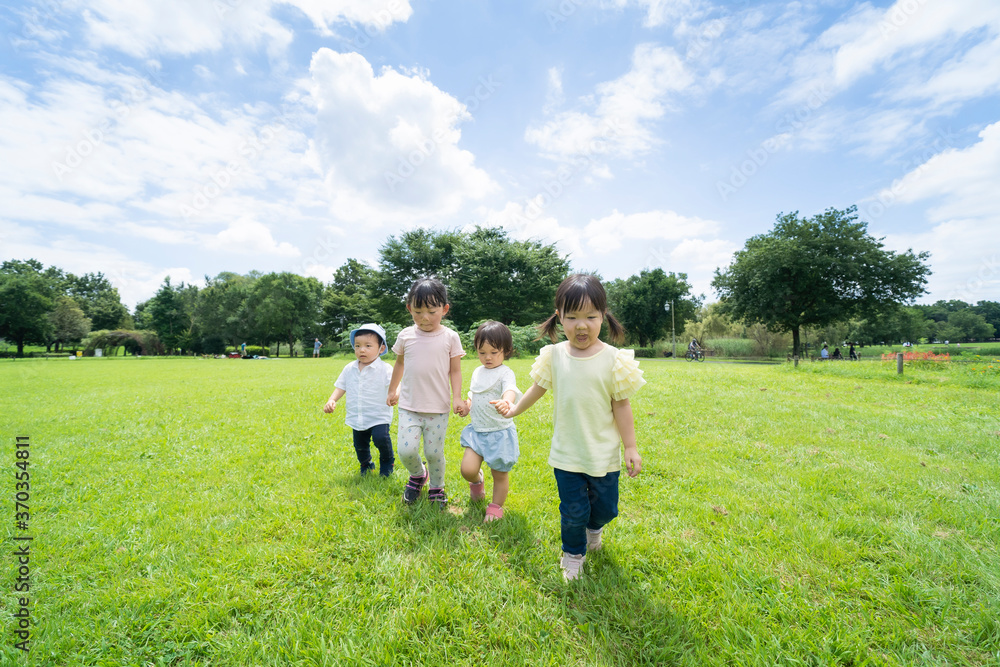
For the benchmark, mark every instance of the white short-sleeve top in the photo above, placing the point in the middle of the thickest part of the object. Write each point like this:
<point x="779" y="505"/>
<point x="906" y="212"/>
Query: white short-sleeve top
<point x="489" y="384"/>
<point x="585" y="437"/>
<point x="366" y="391"/>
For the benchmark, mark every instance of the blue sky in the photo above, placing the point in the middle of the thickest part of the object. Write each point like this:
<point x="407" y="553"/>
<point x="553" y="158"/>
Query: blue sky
<point x="184" y="138"/>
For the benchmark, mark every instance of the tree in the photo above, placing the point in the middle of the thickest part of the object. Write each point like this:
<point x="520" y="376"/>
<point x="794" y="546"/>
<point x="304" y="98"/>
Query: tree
<point x="98" y="299"/>
<point x="69" y="324"/>
<point x="638" y="303"/>
<point x="816" y="271"/>
<point x="990" y="310"/>
<point x="285" y="307"/>
<point x="25" y="302"/>
<point x="971" y="325"/>
<point x="348" y="298"/>
<point x="223" y="310"/>
<point x="170" y="316"/>
<point x="500" y="279"/>
<point x="897" y="325"/>
<point x="415" y="254"/>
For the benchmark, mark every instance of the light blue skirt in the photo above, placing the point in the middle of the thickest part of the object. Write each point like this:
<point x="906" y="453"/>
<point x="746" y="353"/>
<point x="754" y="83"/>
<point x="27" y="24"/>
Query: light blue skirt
<point x="498" y="448"/>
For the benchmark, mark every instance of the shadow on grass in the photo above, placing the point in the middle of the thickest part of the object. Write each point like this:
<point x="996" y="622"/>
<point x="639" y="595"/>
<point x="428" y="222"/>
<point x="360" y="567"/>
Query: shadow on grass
<point x="612" y="609"/>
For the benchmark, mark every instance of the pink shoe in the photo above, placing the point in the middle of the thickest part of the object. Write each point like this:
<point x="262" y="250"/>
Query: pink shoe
<point x="477" y="490"/>
<point x="493" y="513"/>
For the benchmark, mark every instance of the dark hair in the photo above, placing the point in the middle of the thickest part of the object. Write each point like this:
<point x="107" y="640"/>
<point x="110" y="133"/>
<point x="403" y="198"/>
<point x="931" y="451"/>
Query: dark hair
<point x="574" y="293"/>
<point x="369" y="332"/>
<point x="427" y="293"/>
<point x="496" y="334"/>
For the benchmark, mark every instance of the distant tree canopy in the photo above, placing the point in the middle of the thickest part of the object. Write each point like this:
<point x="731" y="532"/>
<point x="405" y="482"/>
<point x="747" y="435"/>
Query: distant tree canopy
<point x="639" y="303"/>
<point x="816" y="271"/>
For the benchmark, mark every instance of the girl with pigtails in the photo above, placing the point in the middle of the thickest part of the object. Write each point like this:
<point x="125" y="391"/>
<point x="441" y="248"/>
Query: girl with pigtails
<point x="593" y="426"/>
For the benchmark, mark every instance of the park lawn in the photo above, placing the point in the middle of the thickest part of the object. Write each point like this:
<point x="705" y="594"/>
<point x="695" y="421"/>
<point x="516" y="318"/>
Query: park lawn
<point x="206" y="512"/>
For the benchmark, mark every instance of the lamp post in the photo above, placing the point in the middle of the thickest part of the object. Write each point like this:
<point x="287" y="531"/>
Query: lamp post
<point x="669" y="307"/>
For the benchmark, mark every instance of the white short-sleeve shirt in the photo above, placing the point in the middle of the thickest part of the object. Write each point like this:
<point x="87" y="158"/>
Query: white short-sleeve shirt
<point x="489" y="384"/>
<point x="366" y="389"/>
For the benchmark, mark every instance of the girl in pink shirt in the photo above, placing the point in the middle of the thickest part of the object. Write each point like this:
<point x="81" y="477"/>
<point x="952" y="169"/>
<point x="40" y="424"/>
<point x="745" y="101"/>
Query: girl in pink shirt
<point x="428" y="360"/>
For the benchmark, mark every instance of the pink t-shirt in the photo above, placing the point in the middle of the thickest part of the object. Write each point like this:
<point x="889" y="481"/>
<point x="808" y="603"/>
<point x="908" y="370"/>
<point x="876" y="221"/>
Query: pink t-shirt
<point x="426" y="386"/>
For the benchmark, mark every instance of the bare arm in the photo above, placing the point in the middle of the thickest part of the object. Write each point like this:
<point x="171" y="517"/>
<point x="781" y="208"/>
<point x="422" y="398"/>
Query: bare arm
<point x="392" y="397"/>
<point x="331" y="405"/>
<point x="510" y="411"/>
<point x="455" y="374"/>
<point x="625" y="422"/>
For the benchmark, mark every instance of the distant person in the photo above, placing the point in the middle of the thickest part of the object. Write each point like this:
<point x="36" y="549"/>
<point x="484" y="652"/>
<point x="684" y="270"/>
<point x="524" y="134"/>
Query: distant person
<point x="593" y="430"/>
<point x="316" y="346"/>
<point x="824" y="354"/>
<point x="837" y="355"/>
<point x="243" y="350"/>
<point x="490" y="437"/>
<point x="854" y="355"/>
<point x="428" y="365"/>
<point x="693" y="346"/>
<point x="365" y="382"/>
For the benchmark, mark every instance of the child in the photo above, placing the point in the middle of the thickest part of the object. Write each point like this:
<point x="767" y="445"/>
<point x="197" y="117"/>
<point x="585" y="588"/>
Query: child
<point x="490" y="437"/>
<point x="591" y="383"/>
<point x="366" y="383"/>
<point x="428" y="359"/>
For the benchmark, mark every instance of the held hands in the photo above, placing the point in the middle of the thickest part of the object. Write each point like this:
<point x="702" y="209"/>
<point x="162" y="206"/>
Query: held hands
<point x="461" y="408"/>
<point x="392" y="398"/>
<point x="633" y="462"/>
<point x="503" y="406"/>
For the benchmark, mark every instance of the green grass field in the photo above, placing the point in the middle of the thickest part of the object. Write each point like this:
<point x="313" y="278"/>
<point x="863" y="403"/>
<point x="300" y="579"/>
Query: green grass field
<point x="206" y="512"/>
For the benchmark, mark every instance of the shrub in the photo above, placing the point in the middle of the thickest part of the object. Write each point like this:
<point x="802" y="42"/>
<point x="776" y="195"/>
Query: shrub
<point x="645" y="351"/>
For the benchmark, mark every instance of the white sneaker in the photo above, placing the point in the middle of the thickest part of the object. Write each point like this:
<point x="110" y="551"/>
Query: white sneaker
<point x="571" y="565"/>
<point x="594" y="539"/>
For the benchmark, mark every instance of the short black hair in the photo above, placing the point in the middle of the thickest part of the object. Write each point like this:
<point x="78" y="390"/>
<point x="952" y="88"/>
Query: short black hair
<point x="496" y="334"/>
<point x="427" y="293"/>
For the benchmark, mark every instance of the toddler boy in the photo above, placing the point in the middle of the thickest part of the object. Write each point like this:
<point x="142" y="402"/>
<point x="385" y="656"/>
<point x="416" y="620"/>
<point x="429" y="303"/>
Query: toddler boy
<point x="366" y="384"/>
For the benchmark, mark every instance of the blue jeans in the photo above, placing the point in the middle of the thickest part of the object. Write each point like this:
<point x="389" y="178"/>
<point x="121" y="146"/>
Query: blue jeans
<point x="584" y="502"/>
<point x="378" y="434"/>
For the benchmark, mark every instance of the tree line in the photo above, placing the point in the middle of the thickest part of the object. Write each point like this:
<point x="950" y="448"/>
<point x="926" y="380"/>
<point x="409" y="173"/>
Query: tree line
<point x="488" y="274"/>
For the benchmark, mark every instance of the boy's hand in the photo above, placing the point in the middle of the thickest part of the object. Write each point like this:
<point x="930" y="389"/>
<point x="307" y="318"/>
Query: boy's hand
<point x="503" y="406"/>
<point x="461" y="409"/>
<point x="633" y="462"/>
<point x="330" y="406"/>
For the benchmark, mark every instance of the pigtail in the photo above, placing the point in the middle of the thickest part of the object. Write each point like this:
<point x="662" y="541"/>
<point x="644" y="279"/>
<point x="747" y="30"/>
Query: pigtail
<point x="616" y="332"/>
<point x="549" y="328"/>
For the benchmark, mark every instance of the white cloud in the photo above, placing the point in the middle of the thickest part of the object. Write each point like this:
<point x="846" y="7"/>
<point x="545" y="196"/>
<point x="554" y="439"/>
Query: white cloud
<point x="527" y="221"/>
<point x="621" y="123"/>
<point x="658" y="12"/>
<point x="964" y="242"/>
<point x="607" y="234"/>
<point x="190" y="26"/>
<point x="700" y="258"/>
<point x="387" y="144"/>
<point x="249" y="237"/>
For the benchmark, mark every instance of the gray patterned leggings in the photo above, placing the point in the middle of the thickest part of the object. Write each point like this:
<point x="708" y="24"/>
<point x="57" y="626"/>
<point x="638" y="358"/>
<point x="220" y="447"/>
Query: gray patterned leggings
<point x="432" y="426"/>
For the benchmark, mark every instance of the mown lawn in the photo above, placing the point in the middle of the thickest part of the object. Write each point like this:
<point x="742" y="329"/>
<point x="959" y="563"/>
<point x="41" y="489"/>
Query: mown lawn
<point x="206" y="512"/>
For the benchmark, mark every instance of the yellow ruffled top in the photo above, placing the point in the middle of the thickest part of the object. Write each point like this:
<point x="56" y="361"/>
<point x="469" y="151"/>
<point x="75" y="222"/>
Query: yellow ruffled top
<point x="585" y="437"/>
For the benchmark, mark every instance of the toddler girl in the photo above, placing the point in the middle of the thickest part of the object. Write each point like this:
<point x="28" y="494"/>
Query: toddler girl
<point x="591" y="383"/>
<point x="428" y="358"/>
<point x="490" y="437"/>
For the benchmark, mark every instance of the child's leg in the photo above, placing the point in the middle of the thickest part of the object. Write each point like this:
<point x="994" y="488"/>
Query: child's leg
<point x="408" y="442"/>
<point x="383" y="442"/>
<point x="501" y="485"/>
<point x="603" y="494"/>
<point x="362" y="448"/>
<point x="434" y="427"/>
<point x="574" y="510"/>
<point x="472" y="464"/>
